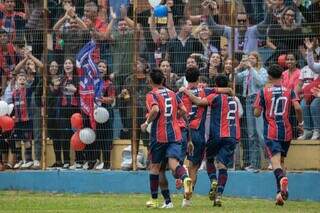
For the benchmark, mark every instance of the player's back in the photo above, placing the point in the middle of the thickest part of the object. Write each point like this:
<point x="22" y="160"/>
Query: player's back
<point x="224" y="117"/>
<point x="165" y="128"/>
<point x="195" y="113"/>
<point x="276" y="102"/>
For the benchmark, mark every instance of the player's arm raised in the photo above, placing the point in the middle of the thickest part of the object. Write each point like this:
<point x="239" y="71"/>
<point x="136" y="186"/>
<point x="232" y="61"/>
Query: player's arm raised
<point x="196" y="100"/>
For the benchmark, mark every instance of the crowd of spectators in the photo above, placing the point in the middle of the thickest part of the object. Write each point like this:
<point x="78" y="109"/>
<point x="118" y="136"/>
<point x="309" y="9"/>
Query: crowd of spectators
<point x="264" y="31"/>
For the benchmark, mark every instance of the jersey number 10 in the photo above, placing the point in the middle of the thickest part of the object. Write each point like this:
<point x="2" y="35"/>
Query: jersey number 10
<point x="277" y="109"/>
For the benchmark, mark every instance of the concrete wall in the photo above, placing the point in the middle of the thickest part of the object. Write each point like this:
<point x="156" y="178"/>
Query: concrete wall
<point x="302" y="186"/>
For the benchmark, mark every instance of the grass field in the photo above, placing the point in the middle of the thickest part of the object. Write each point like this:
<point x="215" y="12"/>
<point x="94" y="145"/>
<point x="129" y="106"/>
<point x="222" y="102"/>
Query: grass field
<point x="13" y="201"/>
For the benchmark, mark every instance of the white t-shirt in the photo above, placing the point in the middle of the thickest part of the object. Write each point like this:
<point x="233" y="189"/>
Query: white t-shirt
<point x="307" y="76"/>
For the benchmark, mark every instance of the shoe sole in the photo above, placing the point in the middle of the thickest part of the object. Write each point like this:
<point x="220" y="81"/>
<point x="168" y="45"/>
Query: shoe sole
<point x="284" y="188"/>
<point x="188" y="189"/>
<point x="213" y="190"/>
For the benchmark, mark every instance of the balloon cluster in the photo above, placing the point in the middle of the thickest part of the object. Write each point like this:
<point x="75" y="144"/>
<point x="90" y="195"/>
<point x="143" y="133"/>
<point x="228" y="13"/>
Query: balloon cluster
<point x="6" y="122"/>
<point x="86" y="136"/>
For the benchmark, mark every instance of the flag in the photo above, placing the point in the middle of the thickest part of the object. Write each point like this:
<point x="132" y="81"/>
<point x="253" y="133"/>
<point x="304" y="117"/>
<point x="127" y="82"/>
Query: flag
<point x="91" y="84"/>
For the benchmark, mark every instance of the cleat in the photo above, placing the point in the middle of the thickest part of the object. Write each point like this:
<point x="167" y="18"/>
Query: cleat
<point x="167" y="206"/>
<point x="217" y="200"/>
<point x="153" y="203"/>
<point x="284" y="188"/>
<point x="179" y="184"/>
<point x="187" y="185"/>
<point x="279" y="200"/>
<point x="213" y="190"/>
<point x="185" y="203"/>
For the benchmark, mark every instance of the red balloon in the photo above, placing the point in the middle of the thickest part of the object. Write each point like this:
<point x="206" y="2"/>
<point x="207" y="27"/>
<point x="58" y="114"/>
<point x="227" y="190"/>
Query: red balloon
<point x="76" y="121"/>
<point x="6" y="123"/>
<point x="76" y="144"/>
<point x="282" y="60"/>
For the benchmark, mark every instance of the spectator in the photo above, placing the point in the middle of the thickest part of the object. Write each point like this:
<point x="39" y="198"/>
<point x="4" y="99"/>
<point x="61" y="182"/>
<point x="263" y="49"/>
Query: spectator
<point x="141" y="90"/>
<point x="35" y="27"/>
<point x="310" y="13"/>
<point x="161" y="38"/>
<point x="214" y="68"/>
<point x="315" y="67"/>
<point x="53" y="103"/>
<point x="247" y="39"/>
<point x="253" y="78"/>
<point x="228" y="68"/>
<point x="8" y="59"/>
<point x="23" y="123"/>
<point x="171" y="78"/>
<point x="13" y="22"/>
<point x="122" y="61"/>
<point x="290" y="77"/>
<point x="203" y="34"/>
<point x="182" y="47"/>
<point x="310" y="106"/>
<point x="69" y="105"/>
<point x="33" y="68"/>
<point x="105" y="131"/>
<point x="285" y="35"/>
<point x="97" y="27"/>
<point x="73" y="32"/>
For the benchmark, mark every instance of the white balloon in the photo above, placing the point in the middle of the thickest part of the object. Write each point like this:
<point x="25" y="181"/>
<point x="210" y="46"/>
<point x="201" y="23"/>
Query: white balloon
<point x="154" y="3"/>
<point x="101" y="115"/>
<point x="10" y="109"/>
<point x="3" y="108"/>
<point x="87" y="136"/>
<point x="149" y="128"/>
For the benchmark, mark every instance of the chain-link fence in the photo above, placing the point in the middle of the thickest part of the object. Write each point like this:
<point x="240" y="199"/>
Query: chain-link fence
<point x="72" y="110"/>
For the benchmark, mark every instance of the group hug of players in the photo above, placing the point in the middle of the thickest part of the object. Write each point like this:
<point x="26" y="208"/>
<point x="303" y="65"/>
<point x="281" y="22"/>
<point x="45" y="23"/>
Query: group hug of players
<point x="178" y="129"/>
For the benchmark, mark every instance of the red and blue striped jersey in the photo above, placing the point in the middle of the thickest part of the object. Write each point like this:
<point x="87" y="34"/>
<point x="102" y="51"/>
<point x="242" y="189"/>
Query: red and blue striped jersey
<point x="196" y="114"/>
<point x="224" y="117"/>
<point x="165" y="128"/>
<point x="275" y="102"/>
<point x="20" y="102"/>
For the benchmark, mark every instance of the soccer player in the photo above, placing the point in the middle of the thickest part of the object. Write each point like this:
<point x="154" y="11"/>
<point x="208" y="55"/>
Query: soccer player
<point x="196" y="119"/>
<point x="223" y="135"/>
<point x="275" y="101"/>
<point x="165" y="135"/>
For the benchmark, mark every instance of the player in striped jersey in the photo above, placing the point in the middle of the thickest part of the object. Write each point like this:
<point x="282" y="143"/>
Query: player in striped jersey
<point x="275" y="102"/>
<point x="165" y="135"/>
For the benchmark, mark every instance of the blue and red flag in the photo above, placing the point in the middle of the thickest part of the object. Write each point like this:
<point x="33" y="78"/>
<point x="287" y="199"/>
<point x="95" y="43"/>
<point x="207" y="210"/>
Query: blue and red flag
<point x="90" y="85"/>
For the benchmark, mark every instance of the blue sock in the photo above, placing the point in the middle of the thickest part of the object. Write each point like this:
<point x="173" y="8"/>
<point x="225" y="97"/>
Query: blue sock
<point x="278" y="173"/>
<point x="211" y="171"/>
<point x="166" y="195"/>
<point x="154" y="184"/>
<point x="222" y="180"/>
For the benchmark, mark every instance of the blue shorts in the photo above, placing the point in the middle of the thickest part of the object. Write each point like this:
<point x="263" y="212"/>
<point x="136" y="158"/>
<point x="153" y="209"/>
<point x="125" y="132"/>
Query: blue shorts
<point x="184" y="142"/>
<point x="221" y="150"/>
<point x="274" y="147"/>
<point x="160" y="152"/>
<point x="199" y="143"/>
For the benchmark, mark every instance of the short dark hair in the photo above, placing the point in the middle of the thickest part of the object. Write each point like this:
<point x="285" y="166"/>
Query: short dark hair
<point x="222" y="80"/>
<point x="275" y="71"/>
<point x="156" y="76"/>
<point x="192" y="75"/>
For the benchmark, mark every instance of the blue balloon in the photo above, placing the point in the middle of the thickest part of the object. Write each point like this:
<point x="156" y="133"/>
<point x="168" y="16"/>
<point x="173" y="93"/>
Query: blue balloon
<point x="160" y="11"/>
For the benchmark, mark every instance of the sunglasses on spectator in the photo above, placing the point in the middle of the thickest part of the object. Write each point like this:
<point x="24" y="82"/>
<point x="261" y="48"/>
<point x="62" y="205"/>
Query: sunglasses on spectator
<point x="242" y="20"/>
